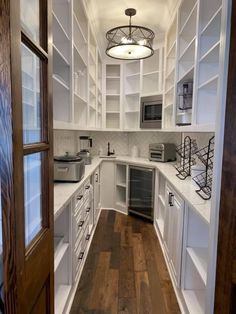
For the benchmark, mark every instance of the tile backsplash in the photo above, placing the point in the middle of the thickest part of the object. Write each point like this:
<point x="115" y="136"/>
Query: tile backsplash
<point x="121" y="142"/>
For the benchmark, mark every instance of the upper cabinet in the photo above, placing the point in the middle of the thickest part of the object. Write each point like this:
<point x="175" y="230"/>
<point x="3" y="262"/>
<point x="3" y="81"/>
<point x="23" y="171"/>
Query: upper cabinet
<point x="193" y="61"/>
<point x="77" y="68"/>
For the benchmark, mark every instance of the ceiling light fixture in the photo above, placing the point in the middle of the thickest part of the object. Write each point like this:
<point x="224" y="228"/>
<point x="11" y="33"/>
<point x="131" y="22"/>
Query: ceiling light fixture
<point x="130" y="42"/>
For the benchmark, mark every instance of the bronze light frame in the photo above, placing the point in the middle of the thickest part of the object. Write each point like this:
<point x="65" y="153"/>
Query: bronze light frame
<point x="133" y="34"/>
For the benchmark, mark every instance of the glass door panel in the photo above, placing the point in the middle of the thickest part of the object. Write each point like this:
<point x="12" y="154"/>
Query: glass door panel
<point x="32" y="195"/>
<point x="31" y="96"/>
<point x="30" y="18"/>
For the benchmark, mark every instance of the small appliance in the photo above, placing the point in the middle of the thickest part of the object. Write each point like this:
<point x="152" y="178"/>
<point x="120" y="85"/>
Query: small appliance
<point x="162" y="152"/>
<point x="85" y="146"/>
<point x="68" y="168"/>
<point x="151" y="112"/>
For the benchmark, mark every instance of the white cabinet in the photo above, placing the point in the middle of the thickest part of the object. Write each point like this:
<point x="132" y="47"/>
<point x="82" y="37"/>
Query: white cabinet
<point x="121" y="187"/>
<point x="195" y="262"/>
<point x="195" y="52"/>
<point x="77" y="69"/>
<point x="113" y="97"/>
<point x="62" y="259"/>
<point x="96" y="193"/>
<point x="173" y="231"/>
<point x="107" y="177"/>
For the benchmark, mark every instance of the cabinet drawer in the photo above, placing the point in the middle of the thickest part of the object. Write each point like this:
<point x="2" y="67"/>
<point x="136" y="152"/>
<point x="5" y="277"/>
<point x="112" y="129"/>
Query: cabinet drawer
<point x="79" y="199"/>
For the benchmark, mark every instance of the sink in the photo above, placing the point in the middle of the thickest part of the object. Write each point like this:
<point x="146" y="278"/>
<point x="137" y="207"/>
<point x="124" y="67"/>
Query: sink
<point x="105" y="156"/>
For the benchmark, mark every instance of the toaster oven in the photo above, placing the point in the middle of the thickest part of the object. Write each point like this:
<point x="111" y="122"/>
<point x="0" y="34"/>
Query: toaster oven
<point x="162" y="152"/>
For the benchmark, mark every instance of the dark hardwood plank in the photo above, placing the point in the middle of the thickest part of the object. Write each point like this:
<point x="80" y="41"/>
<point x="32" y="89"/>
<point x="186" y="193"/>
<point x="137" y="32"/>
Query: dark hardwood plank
<point x="143" y="299"/>
<point x="138" y="252"/>
<point x="127" y="306"/>
<point x="125" y="274"/>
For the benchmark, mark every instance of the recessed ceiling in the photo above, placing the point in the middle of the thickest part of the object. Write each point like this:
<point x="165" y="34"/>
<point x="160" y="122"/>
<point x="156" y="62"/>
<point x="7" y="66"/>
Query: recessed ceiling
<point x="106" y="14"/>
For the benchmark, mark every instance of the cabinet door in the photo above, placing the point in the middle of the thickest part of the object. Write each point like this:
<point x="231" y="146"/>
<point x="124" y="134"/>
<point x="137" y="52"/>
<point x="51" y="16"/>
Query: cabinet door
<point x="176" y="214"/>
<point x="96" y="189"/>
<point x="107" y="179"/>
<point x="173" y="231"/>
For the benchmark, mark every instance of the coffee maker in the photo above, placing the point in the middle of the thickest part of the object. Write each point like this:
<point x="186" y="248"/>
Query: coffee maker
<point x="85" y="146"/>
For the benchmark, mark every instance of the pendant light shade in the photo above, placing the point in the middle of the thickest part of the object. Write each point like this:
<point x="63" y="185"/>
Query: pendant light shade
<point x="130" y="42"/>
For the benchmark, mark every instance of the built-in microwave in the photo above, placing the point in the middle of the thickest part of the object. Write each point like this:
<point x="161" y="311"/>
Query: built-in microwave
<point x="151" y="112"/>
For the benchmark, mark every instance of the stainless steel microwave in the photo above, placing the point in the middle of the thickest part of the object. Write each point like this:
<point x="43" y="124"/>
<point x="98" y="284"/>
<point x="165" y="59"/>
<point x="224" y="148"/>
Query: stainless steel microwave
<point x="151" y="112"/>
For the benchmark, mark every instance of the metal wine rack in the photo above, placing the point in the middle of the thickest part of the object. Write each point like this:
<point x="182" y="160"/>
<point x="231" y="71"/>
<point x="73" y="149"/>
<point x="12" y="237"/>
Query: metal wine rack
<point x="204" y="179"/>
<point x="186" y="151"/>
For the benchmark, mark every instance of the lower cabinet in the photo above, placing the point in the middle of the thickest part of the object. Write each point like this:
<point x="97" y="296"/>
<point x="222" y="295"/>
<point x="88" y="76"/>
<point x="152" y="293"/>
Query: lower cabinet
<point x="96" y="193"/>
<point x="173" y="231"/>
<point x="184" y="236"/>
<point x="107" y="178"/>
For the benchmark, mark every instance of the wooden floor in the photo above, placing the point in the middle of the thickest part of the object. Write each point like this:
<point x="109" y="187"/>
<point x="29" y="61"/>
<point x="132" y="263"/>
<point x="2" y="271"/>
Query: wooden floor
<point x="125" y="270"/>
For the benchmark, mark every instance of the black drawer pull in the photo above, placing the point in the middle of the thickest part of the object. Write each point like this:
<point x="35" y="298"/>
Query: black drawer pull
<point x="171" y="195"/>
<point x="79" y="197"/>
<point x="81" y="255"/>
<point x="87" y="187"/>
<point x="88" y="209"/>
<point x="87" y="237"/>
<point x="81" y="223"/>
<point x="96" y="180"/>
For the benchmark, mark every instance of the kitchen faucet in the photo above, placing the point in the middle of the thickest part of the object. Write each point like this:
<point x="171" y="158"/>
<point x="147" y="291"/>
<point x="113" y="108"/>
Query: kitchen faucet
<point x="109" y="153"/>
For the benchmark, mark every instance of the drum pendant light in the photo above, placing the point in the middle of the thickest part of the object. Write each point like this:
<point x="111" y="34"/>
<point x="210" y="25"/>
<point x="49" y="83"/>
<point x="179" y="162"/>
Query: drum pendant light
<point x="130" y="42"/>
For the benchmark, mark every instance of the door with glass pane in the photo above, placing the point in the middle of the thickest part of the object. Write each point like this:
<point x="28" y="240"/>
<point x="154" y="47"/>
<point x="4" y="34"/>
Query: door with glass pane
<point x="30" y="27"/>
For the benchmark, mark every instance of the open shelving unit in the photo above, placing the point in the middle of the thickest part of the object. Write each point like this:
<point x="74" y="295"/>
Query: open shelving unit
<point x="113" y="96"/>
<point x="160" y="213"/>
<point x="92" y="81"/>
<point x="62" y="259"/>
<point x="61" y="61"/>
<point x="195" y="262"/>
<point x="170" y="75"/>
<point x="99" y="92"/>
<point x="208" y="61"/>
<point x="132" y="81"/>
<point x="121" y="188"/>
<point x="152" y="74"/>
<point x="196" y="36"/>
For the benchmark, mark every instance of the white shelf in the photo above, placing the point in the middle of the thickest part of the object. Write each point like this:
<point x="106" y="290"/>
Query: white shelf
<point x="80" y="55"/>
<point x="80" y="29"/>
<point x="211" y="20"/>
<point x="211" y="84"/>
<point x="133" y="75"/>
<point x="151" y="73"/>
<point x="212" y="54"/>
<point x="57" y="54"/>
<point x="199" y="257"/>
<point x="113" y="77"/>
<point x="79" y="99"/>
<point x="59" y="256"/>
<point x="188" y="48"/>
<point x="121" y="184"/>
<point x="113" y="95"/>
<point x="59" y="82"/>
<point x="132" y="111"/>
<point x="60" y="25"/>
<point x="61" y="298"/>
<point x="194" y="300"/>
<point x="112" y="112"/>
<point x="171" y="50"/>
<point x="187" y="75"/>
<point x="188" y="19"/>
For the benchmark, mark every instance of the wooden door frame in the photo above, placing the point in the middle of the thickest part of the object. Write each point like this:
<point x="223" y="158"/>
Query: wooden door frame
<point x="6" y="163"/>
<point x="11" y="148"/>
<point x="225" y="288"/>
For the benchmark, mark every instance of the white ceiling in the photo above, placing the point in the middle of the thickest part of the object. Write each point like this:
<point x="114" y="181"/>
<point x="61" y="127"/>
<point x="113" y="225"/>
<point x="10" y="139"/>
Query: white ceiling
<point x="106" y="14"/>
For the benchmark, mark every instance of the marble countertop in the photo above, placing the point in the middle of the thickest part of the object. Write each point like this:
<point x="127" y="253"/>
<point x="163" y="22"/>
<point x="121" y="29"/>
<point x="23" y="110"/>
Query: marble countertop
<point x="64" y="191"/>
